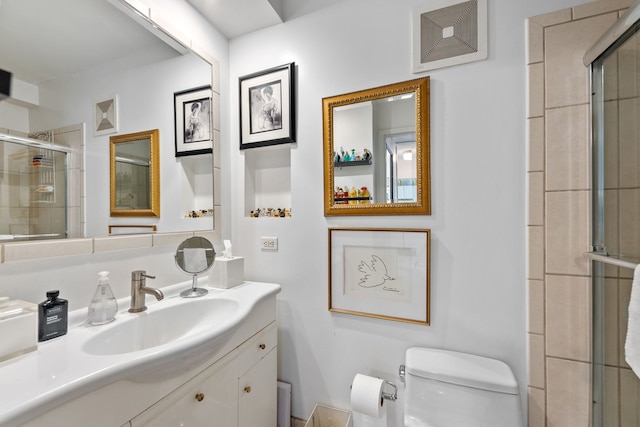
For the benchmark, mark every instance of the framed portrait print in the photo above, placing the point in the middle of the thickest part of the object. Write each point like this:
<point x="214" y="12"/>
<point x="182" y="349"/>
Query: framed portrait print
<point x="380" y="273"/>
<point x="193" y="121"/>
<point x="267" y="107"/>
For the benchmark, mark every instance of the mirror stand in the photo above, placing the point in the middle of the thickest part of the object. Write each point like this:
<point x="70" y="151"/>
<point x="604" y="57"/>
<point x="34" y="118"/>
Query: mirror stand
<point x="195" y="256"/>
<point x="194" y="291"/>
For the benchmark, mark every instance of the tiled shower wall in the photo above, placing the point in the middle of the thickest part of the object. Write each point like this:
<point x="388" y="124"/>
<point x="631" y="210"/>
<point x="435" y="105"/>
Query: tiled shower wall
<point x="558" y="169"/>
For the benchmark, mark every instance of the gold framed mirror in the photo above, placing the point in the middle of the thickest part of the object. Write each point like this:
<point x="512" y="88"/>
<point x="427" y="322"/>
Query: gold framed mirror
<point x="135" y="174"/>
<point x="376" y="151"/>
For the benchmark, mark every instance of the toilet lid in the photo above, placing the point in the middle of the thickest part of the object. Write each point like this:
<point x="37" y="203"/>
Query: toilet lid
<point x="462" y="369"/>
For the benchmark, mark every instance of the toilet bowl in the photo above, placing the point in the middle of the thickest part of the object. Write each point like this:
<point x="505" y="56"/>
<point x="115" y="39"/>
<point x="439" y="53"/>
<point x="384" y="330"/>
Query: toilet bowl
<point x="452" y="389"/>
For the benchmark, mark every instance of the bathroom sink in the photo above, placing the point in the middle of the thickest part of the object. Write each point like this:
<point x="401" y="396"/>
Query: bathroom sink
<point x="161" y="324"/>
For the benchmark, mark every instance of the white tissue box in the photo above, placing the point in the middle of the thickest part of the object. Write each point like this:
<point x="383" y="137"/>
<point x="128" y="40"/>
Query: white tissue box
<point x="227" y="272"/>
<point x="18" y="329"/>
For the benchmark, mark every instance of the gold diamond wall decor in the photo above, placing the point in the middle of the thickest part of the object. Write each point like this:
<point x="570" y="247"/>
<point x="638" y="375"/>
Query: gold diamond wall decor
<point x="448" y="33"/>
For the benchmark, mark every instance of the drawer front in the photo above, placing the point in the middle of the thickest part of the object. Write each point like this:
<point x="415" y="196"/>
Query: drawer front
<point x="257" y="347"/>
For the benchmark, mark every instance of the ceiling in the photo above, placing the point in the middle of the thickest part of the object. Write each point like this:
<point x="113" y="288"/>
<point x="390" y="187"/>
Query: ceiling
<point x="234" y="18"/>
<point x="40" y="40"/>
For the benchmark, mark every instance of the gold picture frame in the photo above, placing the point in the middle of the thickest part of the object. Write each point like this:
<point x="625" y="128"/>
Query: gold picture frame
<point x="380" y="273"/>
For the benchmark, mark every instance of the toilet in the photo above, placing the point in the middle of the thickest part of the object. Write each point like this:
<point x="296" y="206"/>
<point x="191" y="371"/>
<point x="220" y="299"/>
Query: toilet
<point x="451" y="389"/>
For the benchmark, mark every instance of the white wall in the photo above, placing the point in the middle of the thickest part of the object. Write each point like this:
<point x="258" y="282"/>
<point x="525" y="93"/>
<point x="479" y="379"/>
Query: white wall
<point x="477" y="182"/>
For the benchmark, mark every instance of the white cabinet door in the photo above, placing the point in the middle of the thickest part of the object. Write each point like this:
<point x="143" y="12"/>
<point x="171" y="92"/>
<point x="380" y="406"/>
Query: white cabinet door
<point x="209" y="399"/>
<point x="257" y="394"/>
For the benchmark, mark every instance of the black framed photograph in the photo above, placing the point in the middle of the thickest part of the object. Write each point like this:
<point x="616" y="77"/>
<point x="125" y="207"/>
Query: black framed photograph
<point x="193" y="121"/>
<point x="267" y="107"/>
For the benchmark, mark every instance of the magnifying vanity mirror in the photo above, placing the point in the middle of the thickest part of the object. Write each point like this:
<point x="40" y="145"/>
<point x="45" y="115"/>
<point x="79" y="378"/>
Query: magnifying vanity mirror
<point x="195" y="256"/>
<point x="135" y="174"/>
<point x="376" y="151"/>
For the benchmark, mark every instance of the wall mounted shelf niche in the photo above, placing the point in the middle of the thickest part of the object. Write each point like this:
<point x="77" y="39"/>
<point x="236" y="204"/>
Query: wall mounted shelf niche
<point x="267" y="180"/>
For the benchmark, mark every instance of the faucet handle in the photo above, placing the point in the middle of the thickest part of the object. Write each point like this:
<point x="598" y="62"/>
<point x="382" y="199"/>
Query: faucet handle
<point x="139" y="274"/>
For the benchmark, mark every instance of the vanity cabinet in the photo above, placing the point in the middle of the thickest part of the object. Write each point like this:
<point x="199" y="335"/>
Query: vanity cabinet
<point x="234" y="386"/>
<point x="238" y="390"/>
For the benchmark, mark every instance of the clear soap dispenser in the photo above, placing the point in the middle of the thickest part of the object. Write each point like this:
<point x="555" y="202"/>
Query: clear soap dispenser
<point x="103" y="306"/>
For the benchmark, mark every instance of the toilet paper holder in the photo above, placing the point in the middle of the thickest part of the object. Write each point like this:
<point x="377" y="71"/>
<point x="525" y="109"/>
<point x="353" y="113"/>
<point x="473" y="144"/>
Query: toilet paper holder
<point x="390" y="396"/>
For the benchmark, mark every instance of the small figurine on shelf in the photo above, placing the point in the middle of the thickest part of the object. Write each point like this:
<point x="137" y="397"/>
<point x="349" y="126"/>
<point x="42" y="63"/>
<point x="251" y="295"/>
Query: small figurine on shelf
<point x="364" y="192"/>
<point x="353" y="194"/>
<point x="367" y="155"/>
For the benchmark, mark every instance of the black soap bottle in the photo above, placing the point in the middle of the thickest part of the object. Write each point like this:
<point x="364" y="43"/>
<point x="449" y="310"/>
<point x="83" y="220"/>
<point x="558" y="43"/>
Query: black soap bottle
<point x="52" y="317"/>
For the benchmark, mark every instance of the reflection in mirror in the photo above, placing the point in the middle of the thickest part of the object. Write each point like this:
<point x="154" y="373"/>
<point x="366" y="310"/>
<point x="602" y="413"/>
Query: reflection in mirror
<point x="33" y="189"/>
<point x="376" y="151"/>
<point x="195" y="256"/>
<point x="136" y="60"/>
<point x="135" y="174"/>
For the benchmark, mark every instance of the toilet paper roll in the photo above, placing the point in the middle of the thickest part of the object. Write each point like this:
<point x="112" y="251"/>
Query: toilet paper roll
<point x="366" y="395"/>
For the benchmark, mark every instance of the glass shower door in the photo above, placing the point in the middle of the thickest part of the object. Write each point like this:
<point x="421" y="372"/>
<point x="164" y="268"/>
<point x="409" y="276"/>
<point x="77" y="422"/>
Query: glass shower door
<point x="616" y="225"/>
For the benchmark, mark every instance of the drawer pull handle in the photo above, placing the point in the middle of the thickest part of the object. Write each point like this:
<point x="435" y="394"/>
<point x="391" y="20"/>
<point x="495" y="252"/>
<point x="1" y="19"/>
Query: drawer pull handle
<point x="200" y="397"/>
<point x="262" y="346"/>
<point x="247" y="389"/>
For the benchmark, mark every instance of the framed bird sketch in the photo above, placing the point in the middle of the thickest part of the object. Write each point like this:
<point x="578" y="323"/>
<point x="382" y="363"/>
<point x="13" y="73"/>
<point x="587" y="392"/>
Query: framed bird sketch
<point x="380" y="273"/>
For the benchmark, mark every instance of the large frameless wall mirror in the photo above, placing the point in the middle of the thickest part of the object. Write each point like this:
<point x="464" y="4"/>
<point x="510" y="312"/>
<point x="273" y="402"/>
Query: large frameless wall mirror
<point x="122" y="53"/>
<point x="135" y="174"/>
<point x="376" y="151"/>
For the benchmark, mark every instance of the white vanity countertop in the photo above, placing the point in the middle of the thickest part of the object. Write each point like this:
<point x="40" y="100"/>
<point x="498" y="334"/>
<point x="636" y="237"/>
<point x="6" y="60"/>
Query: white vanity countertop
<point x="60" y="370"/>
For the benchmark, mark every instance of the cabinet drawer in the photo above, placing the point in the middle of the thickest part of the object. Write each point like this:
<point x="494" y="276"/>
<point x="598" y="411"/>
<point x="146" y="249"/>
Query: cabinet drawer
<point x="257" y="347"/>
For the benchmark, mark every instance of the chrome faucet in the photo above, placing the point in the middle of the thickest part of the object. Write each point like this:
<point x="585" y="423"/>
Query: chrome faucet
<point x="139" y="289"/>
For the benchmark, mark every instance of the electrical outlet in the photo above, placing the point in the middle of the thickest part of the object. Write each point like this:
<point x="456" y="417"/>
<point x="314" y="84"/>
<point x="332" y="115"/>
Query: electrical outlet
<point x="269" y="243"/>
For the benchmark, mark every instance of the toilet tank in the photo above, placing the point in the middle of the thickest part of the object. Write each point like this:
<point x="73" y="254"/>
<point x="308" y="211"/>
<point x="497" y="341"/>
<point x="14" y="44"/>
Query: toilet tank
<point x="451" y="389"/>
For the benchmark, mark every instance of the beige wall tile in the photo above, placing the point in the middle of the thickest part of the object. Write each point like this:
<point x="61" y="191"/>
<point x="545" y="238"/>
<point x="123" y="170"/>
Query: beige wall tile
<point x="612" y="230"/>
<point x="536" y="90"/>
<point x="629" y="133"/>
<point x="536" y="361"/>
<point x="568" y="317"/>
<point x="170" y="239"/>
<point x="629" y="399"/>
<point x="625" y="296"/>
<point x="536" y="306"/>
<point x="535" y="265"/>
<point x="536" y="198"/>
<point x="611" y="396"/>
<point x="567" y="232"/>
<point x="599" y="7"/>
<point x="568" y="393"/>
<point x="567" y="148"/>
<point x="611" y="148"/>
<point x="628" y="63"/>
<point x="610" y="70"/>
<point x="552" y="18"/>
<point x="535" y="40"/>
<point x="535" y="132"/>
<point x="566" y="77"/>
<point x="611" y="319"/>
<point x="46" y="249"/>
<point x="537" y="413"/>
<point x="629" y="212"/>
